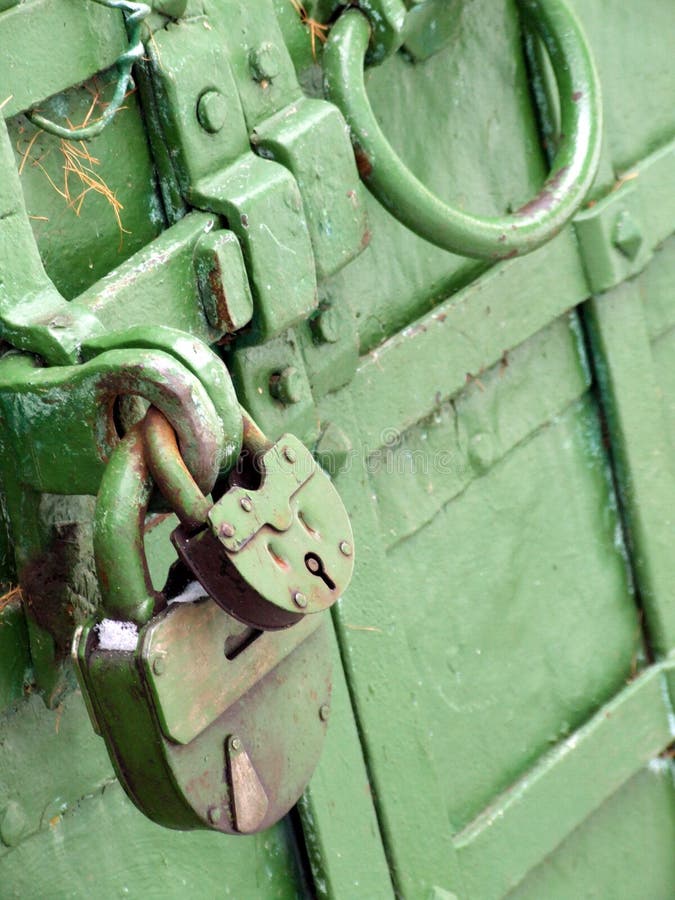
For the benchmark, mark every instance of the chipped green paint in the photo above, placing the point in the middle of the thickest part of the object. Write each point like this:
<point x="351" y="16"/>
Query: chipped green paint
<point x="502" y="715"/>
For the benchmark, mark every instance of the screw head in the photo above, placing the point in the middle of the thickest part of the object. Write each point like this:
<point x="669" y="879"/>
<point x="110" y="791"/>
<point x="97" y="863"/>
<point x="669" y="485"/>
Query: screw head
<point x="215" y="814"/>
<point x="235" y="743"/>
<point x="326" y="326"/>
<point x="345" y="548"/>
<point x="212" y="111"/>
<point x="246" y="504"/>
<point x="265" y="61"/>
<point x="288" y="386"/>
<point x="299" y="599"/>
<point x="158" y="665"/>
<point x="324" y="712"/>
<point x="227" y="530"/>
<point x="289" y="454"/>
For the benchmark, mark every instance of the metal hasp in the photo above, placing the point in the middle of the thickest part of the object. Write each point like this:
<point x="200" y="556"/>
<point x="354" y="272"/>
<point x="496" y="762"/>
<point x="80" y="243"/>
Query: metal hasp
<point x="572" y="170"/>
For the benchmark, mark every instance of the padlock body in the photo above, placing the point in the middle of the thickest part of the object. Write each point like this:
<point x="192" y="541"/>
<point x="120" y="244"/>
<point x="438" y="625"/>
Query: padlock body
<point x="208" y="724"/>
<point x="278" y="551"/>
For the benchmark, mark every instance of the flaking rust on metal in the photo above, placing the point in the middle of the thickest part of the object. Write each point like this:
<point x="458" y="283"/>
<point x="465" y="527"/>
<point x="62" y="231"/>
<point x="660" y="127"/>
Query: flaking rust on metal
<point x="59" y="585"/>
<point x="220" y="297"/>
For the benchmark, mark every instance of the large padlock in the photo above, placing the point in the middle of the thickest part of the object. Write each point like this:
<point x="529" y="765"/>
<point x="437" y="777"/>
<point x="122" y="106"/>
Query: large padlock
<point x="278" y="544"/>
<point x="209" y="722"/>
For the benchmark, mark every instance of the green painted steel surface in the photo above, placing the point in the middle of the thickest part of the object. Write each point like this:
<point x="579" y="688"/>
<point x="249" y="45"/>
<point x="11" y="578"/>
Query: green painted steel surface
<point x="502" y="713"/>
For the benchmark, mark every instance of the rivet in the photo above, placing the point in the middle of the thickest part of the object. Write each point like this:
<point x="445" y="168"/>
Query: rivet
<point x="289" y="454"/>
<point x="324" y="712"/>
<point x="246" y="504"/>
<point x="326" y="326"/>
<point x="159" y="665"/>
<point x="235" y="743"/>
<point x="227" y="530"/>
<point x="345" y="548"/>
<point x="212" y="111"/>
<point x="215" y="814"/>
<point x="299" y="599"/>
<point x="627" y="236"/>
<point x="265" y="62"/>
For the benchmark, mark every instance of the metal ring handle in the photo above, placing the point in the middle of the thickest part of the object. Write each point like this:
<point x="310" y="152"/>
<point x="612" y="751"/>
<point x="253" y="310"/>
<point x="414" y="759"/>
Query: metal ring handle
<point x="134" y="14"/>
<point x="572" y="170"/>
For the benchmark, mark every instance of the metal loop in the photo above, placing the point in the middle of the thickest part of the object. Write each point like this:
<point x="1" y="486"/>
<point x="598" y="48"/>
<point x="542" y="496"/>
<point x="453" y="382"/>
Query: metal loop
<point x="127" y="592"/>
<point x="134" y="15"/>
<point x="170" y="473"/>
<point x="572" y="171"/>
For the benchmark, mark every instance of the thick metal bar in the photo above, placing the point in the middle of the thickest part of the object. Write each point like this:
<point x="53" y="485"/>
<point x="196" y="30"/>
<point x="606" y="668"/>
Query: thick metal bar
<point x="529" y="820"/>
<point x="472" y="328"/>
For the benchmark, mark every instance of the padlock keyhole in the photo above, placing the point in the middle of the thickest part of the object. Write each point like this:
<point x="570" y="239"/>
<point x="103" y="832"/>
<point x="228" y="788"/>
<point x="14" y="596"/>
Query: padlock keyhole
<point x="314" y="565"/>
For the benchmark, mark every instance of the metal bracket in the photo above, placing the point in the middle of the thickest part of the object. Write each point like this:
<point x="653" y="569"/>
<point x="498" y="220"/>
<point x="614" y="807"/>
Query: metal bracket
<point x="618" y="234"/>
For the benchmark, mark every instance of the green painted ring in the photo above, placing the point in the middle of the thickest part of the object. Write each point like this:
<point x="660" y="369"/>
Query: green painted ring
<point x="572" y="170"/>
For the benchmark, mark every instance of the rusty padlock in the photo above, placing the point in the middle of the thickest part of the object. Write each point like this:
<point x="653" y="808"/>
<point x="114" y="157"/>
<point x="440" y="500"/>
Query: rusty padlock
<point x="209" y="723"/>
<point x="277" y="545"/>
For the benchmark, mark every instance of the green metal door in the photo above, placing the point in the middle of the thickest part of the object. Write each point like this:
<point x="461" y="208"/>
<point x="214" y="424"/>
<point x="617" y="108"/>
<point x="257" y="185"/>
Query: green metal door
<point x="501" y="433"/>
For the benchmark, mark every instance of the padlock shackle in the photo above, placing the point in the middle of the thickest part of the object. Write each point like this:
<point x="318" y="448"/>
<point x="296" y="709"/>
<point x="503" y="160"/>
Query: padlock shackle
<point x="127" y="593"/>
<point x="170" y="473"/>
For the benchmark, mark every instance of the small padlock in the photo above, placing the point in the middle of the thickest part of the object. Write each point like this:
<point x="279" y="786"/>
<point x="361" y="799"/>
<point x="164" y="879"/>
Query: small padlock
<point x="209" y="723"/>
<point x="273" y="551"/>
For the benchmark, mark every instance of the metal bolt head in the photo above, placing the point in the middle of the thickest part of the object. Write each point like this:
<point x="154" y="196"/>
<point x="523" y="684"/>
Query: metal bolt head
<point x="212" y="111"/>
<point x="345" y="548"/>
<point x="265" y="61"/>
<point x="235" y="743"/>
<point x="627" y="236"/>
<point x="246" y="504"/>
<point x="299" y="599"/>
<point x="227" y="530"/>
<point x="215" y="814"/>
<point x="326" y="326"/>
<point x="324" y="712"/>
<point x="289" y="454"/>
<point x="288" y="386"/>
<point x="159" y="665"/>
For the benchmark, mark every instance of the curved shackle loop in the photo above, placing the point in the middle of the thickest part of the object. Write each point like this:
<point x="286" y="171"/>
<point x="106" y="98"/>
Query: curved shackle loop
<point x="148" y="455"/>
<point x="134" y="15"/>
<point x="199" y="359"/>
<point x="173" y="477"/>
<point x="572" y="170"/>
<point x="165" y="383"/>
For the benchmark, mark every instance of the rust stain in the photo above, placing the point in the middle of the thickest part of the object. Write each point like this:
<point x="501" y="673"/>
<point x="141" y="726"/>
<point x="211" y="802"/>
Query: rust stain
<point x="546" y="197"/>
<point x="363" y="163"/>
